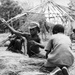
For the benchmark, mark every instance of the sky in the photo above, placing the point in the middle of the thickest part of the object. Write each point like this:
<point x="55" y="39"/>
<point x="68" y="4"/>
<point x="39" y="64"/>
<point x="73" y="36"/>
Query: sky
<point x="62" y="2"/>
<point x="36" y="2"/>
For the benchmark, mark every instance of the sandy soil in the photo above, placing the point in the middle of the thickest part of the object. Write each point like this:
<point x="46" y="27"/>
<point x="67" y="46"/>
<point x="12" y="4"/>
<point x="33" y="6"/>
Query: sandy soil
<point x="17" y="64"/>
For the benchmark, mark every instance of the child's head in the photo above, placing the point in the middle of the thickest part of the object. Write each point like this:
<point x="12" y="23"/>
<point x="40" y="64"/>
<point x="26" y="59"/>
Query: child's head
<point x="34" y="28"/>
<point x="58" y="28"/>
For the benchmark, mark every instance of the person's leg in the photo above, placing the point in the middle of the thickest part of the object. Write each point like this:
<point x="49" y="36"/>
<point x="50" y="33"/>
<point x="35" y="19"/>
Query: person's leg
<point x="17" y="43"/>
<point x="18" y="46"/>
<point x="46" y="69"/>
<point x="56" y="71"/>
<point x="52" y="70"/>
<point x="65" y="70"/>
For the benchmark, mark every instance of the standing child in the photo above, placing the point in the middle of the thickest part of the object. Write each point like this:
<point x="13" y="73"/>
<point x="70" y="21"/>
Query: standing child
<point x="59" y="52"/>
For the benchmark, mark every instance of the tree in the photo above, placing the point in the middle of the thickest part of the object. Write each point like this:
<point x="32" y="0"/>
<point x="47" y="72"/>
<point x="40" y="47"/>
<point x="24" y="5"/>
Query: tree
<point x="9" y="9"/>
<point x="72" y="8"/>
<point x="72" y="4"/>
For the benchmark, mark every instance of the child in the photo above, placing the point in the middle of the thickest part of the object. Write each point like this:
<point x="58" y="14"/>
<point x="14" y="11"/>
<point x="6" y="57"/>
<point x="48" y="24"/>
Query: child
<point x="33" y="40"/>
<point x="59" y="52"/>
<point x="16" y="43"/>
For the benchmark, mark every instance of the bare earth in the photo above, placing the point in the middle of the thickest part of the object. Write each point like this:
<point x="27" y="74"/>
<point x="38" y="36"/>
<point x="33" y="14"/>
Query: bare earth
<point x="17" y="64"/>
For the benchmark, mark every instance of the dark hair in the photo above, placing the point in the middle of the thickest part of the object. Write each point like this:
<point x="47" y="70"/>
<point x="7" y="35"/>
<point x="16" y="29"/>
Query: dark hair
<point x="38" y="29"/>
<point x="74" y="30"/>
<point x="58" y="28"/>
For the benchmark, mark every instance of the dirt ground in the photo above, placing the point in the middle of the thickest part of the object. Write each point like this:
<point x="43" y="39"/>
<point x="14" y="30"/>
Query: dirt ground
<point x="18" y="64"/>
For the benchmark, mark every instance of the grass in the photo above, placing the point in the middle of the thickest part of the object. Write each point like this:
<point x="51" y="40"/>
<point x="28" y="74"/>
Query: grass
<point x="17" y="64"/>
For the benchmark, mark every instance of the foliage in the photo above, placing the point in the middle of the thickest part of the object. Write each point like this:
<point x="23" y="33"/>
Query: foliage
<point x="9" y="9"/>
<point x="72" y="4"/>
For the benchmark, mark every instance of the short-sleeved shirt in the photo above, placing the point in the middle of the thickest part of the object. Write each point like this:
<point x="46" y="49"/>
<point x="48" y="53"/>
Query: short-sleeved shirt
<point x="61" y="53"/>
<point x="32" y="49"/>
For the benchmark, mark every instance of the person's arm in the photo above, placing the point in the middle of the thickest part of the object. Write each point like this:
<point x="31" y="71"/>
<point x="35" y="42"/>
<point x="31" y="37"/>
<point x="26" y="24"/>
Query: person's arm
<point x="40" y="45"/>
<point x="49" y="47"/>
<point x="24" y="45"/>
<point x="37" y="44"/>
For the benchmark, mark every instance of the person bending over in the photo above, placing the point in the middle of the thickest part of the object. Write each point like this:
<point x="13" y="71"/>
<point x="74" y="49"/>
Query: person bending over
<point x="59" y="52"/>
